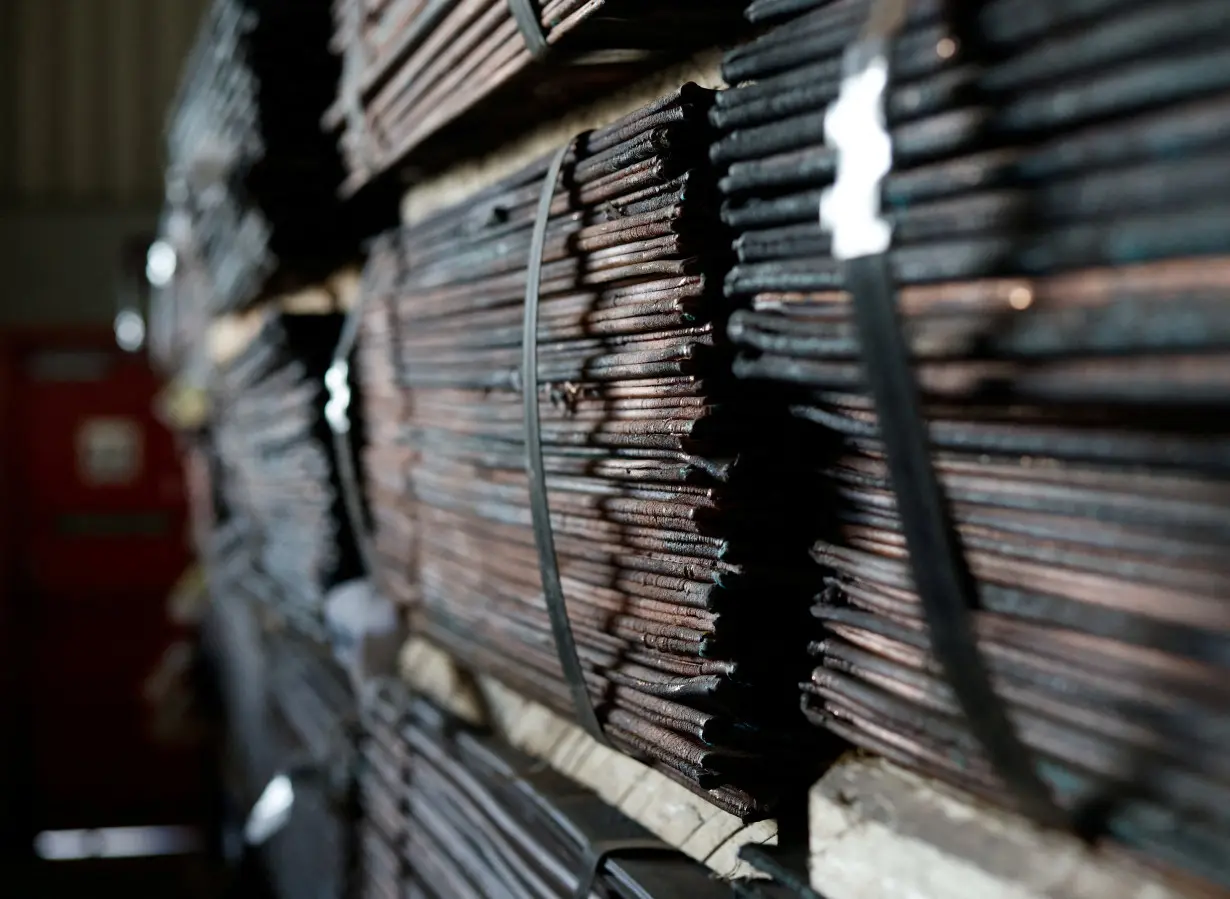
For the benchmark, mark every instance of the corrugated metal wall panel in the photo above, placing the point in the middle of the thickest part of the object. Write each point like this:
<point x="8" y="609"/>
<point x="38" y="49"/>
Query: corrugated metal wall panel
<point x="34" y="24"/>
<point x="84" y="87"/>
<point x="8" y="97"/>
<point x="124" y="121"/>
<point x="81" y="135"/>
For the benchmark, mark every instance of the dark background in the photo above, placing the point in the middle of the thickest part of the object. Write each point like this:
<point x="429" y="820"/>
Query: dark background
<point x="85" y="570"/>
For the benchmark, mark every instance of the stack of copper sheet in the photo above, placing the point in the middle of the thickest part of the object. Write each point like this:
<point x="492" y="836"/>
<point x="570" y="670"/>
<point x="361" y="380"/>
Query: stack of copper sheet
<point x="389" y="451"/>
<point x="234" y="654"/>
<point x="313" y="724"/>
<point x="670" y="550"/>
<point x="1059" y="201"/>
<point x="384" y="774"/>
<point x="285" y="707"/>
<point x="279" y="473"/>
<point x="425" y="78"/>
<point x="313" y="700"/>
<point x="252" y="180"/>
<point x="449" y="811"/>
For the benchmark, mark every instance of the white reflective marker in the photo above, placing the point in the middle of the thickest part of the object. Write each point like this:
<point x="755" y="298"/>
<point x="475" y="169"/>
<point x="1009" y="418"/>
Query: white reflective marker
<point x="129" y="330"/>
<point x="271" y="811"/>
<point x="160" y="263"/>
<point x="337" y="409"/>
<point x="856" y="128"/>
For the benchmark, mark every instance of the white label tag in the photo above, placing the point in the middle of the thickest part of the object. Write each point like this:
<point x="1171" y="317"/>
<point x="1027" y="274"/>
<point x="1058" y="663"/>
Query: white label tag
<point x="109" y="451"/>
<point x="855" y="127"/>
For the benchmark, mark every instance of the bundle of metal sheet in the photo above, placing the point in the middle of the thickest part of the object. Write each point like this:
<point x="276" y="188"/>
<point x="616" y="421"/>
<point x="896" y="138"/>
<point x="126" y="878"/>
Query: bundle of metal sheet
<point x="426" y="79"/>
<point x="252" y="179"/>
<point x="279" y="471"/>
<point x="450" y="811"/>
<point x="286" y="709"/>
<point x="234" y="653"/>
<point x="314" y="700"/>
<point x="389" y="451"/>
<point x="670" y="550"/>
<point x="314" y="727"/>
<point x="383" y="775"/>
<point x="1059" y="201"/>
<point x="229" y="542"/>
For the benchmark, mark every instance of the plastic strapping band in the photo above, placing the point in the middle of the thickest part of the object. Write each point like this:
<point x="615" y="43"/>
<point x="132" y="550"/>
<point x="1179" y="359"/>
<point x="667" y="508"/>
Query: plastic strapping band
<point x="856" y="127"/>
<point x="600" y="852"/>
<point x="531" y="27"/>
<point x="544" y="537"/>
<point x="337" y="414"/>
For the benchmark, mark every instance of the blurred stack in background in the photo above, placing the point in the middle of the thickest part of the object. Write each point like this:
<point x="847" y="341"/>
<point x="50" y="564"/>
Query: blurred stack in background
<point x="254" y="267"/>
<point x="252" y="206"/>
<point x="279" y="474"/>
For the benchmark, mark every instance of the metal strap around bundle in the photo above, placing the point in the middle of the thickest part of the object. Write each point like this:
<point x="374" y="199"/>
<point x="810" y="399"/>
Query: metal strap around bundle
<point x="862" y="238"/>
<point x="602" y="852"/>
<point x="525" y="13"/>
<point x="337" y="414"/>
<point x="540" y="511"/>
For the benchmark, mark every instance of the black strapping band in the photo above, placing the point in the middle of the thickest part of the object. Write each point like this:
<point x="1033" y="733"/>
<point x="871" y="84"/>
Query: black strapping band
<point x="601" y="852"/>
<point x="337" y="414"/>
<point x="540" y="510"/>
<point x="942" y="577"/>
<point x="941" y="572"/>
<point x="530" y="24"/>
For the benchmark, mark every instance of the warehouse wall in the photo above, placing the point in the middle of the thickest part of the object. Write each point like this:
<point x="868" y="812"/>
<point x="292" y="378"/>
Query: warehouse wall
<point x="84" y="85"/>
<point x="85" y="88"/>
<point x="61" y="266"/>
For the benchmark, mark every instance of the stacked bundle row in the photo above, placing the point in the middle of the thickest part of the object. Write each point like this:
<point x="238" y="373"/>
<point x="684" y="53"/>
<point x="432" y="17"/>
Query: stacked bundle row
<point x="386" y="410"/>
<point x="1059" y="201"/>
<point x="470" y="817"/>
<point x="313" y="723"/>
<point x="382" y="778"/>
<point x="422" y="77"/>
<point x="669" y="561"/>
<point x="285" y="708"/>
<point x="314" y="701"/>
<point x="279" y="475"/>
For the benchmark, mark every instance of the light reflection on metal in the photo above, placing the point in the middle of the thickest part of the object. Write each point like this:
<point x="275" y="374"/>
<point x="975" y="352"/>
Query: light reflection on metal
<point x="271" y="812"/>
<point x="129" y="330"/>
<point x="117" y="842"/>
<point x="337" y="409"/>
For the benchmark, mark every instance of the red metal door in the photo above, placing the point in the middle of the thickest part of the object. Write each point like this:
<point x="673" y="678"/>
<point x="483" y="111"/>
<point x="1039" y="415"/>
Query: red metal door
<point x="98" y="520"/>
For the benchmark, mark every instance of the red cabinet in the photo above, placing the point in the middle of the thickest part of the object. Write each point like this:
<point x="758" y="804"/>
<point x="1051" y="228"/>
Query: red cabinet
<point x="96" y="538"/>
